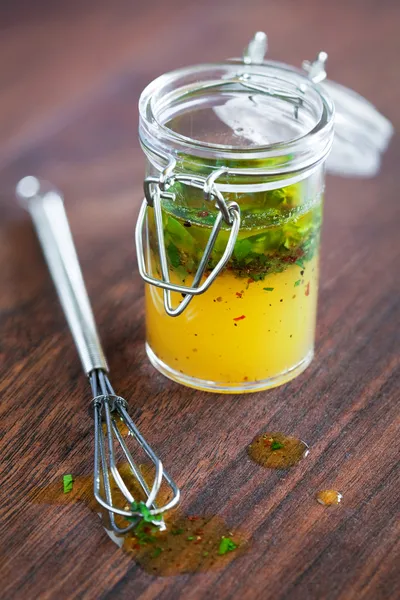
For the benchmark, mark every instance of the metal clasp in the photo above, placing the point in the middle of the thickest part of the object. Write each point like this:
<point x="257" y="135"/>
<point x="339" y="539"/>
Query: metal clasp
<point x="255" y="51"/>
<point x="316" y="69"/>
<point x="155" y="190"/>
<point x="254" y="54"/>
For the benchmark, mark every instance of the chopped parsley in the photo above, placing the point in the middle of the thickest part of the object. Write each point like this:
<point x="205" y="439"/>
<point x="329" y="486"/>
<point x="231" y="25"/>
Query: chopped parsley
<point x="144" y="511"/>
<point x="297" y="283"/>
<point x="226" y="545"/>
<point x="68" y="483"/>
<point x="257" y="276"/>
<point x="268" y="289"/>
<point x="275" y="445"/>
<point x="173" y="255"/>
<point x="280" y="228"/>
<point x="157" y="552"/>
<point x="145" y="533"/>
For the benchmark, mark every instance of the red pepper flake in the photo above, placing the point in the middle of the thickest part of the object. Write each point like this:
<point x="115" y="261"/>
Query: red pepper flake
<point x="250" y="281"/>
<point x="203" y="213"/>
<point x="307" y="290"/>
<point x="135" y="547"/>
<point x="240" y="318"/>
<point x="239" y="294"/>
<point x="289" y="259"/>
<point x="193" y="518"/>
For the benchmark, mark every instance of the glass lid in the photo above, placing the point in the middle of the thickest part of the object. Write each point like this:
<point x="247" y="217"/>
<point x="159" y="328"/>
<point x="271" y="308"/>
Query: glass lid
<point x="362" y="134"/>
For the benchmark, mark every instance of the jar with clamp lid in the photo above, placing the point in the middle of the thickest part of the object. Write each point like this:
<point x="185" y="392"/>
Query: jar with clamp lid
<point x="228" y="234"/>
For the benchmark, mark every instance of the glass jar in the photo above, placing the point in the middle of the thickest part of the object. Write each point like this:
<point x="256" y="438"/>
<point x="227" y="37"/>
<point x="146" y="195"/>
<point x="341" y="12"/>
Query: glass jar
<point x="228" y="235"/>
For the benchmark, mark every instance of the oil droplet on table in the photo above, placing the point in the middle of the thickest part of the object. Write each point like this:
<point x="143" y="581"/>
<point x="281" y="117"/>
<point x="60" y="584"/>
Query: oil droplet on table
<point x="275" y="450"/>
<point x="329" y="497"/>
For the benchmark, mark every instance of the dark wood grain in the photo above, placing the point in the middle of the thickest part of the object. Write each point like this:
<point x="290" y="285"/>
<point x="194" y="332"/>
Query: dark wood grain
<point x="70" y="80"/>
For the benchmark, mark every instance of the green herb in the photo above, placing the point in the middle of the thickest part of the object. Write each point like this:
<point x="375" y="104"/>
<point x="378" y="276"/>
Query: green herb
<point x="68" y="483"/>
<point x="190" y="538"/>
<point x="173" y="255"/>
<point x="144" y="538"/>
<point x="145" y="533"/>
<point x="144" y="511"/>
<point x="257" y="276"/>
<point x="205" y="554"/>
<point x="177" y="531"/>
<point x="276" y="445"/>
<point x="176" y="232"/>
<point x="280" y="228"/>
<point x="275" y="197"/>
<point x="226" y="545"/>
<point x="157" y="552"/>
<point x="268" y="289"/>
<point x="298" y="282"/>
<point x="242" y="249"/>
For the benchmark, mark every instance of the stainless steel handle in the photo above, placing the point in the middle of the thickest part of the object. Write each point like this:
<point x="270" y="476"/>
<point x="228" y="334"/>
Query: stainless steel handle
<point x="46" y="207"/>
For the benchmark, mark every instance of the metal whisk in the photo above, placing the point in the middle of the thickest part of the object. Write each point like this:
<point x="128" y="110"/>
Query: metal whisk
<point x="46" y="208"/>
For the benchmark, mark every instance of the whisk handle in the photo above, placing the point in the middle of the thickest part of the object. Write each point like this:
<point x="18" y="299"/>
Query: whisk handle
<point x="46" y="207"/>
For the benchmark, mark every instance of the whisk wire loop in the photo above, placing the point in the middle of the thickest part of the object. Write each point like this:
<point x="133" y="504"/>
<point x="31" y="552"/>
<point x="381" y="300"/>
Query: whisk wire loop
<point x="108" y="410"/>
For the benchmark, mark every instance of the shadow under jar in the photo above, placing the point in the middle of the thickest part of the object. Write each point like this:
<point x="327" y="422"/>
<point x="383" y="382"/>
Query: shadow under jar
<point x="238" y="143"/>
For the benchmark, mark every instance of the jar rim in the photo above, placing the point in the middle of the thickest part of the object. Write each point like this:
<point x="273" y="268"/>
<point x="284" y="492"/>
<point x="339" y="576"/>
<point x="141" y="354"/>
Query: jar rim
<point x="304" y="150"/>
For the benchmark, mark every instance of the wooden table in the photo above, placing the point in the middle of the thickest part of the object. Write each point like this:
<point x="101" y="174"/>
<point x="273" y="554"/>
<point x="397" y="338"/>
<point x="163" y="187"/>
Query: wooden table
<point x="71" y="74"/>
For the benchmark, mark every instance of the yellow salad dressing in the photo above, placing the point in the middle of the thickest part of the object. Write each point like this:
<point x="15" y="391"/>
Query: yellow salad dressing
<point x="240" y="330"/>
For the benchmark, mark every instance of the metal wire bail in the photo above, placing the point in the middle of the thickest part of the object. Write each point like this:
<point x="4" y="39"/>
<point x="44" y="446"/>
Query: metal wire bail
<point x="156" y="190"/>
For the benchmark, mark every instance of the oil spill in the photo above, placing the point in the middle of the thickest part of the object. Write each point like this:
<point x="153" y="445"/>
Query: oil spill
<point x="190" y="544"/>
